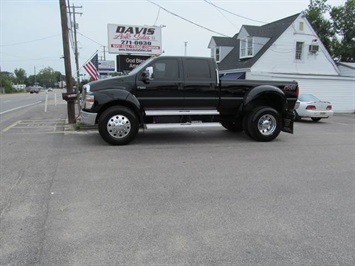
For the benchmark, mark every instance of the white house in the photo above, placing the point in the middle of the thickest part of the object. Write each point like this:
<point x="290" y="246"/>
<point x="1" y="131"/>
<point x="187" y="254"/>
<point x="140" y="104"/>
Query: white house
<point x="19" y="87"/>
<point x="287" y="49"/>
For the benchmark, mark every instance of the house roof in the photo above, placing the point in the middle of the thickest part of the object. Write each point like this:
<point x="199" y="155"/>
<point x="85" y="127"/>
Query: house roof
<point x="224" y="41"/>
<point x="257" y="31"/>
<point x="347" y="64"/>
<point x="271" y="30"/>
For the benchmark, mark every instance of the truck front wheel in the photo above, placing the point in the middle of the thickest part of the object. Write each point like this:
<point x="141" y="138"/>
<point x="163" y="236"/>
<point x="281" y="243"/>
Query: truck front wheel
<point x="118" y="125"/>
<point x="264" y="124"/>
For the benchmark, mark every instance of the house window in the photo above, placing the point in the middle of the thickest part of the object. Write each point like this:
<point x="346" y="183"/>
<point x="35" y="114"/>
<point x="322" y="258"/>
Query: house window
<point x="301" y="26"/>
<point x="217" y="55"/>
<point x="246" y="48"/>
<point x="299" y="48"/>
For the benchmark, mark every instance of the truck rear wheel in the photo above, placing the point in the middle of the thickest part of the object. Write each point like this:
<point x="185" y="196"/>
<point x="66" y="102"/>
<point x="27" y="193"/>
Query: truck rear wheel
<point x="264" y="124"/>
<point x="118" y="125"/>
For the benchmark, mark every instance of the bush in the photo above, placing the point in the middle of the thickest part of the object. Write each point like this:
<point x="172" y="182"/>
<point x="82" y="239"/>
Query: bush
<point x="6" y="83"/>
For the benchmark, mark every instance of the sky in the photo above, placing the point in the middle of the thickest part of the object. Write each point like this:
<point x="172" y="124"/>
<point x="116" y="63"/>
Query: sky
<point x="31" y="34"/>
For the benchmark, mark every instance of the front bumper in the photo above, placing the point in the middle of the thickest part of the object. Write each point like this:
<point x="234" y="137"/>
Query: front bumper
<point x="87" y="118"/>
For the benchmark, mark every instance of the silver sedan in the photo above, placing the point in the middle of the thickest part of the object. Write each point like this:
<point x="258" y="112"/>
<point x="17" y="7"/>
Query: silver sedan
<point x="309" y="106"/>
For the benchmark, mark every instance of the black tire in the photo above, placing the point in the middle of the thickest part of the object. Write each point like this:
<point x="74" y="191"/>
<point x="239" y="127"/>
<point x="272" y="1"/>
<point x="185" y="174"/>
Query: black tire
<point x="264" y="124"/>
<point x="118" y="125"/>
<point x="316" y="119"/>
<point x="233" y="126"/>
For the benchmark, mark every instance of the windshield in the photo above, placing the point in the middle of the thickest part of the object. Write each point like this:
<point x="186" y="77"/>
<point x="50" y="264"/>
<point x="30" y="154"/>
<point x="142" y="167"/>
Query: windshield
<point x="308" y="98"/>
<point x="140" y="67"/>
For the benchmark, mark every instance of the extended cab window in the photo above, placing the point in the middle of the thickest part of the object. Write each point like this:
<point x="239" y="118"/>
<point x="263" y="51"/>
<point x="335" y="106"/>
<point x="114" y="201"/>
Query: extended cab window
<point x="164" y="69"/>
<point x="197" y="69"/>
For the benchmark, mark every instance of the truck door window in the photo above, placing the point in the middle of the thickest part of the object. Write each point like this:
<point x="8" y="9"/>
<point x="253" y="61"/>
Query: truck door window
<point x="165" y="69"/>
<point x="197" y="69"/>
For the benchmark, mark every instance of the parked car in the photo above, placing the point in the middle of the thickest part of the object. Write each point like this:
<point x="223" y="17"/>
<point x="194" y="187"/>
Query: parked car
<point x="34" y="90"/>
<point x="309" y="106"/>
<point x="49" y="89"/>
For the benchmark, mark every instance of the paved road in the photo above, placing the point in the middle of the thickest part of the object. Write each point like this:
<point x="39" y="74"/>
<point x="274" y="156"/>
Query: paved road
<point x="12" y="102"/>
<point x="175" y="197"/>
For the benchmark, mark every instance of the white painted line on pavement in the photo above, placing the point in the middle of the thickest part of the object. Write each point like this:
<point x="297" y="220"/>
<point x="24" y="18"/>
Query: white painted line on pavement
<point x="7" y="111"/>
<point x="11" y="126"/>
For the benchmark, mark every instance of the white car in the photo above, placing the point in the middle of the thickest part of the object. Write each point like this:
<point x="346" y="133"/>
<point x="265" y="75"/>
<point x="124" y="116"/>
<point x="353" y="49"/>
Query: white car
<point x="309" y="106"/>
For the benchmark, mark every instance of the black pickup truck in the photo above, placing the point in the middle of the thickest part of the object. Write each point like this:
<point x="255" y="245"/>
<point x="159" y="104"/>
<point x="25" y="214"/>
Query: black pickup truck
<point x="187" y="91"/>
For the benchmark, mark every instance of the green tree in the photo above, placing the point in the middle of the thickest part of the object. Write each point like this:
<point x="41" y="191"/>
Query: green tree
<point x="315" y="15"/>
<point x="20" y="76"/>
<point x="46" y="77"/>
<point x="335" y="26"/>
<point x="344" y="25"/>
<point x="30" y="81"/>
<point x="6" y="79"/>
<point x="59" y="76"/>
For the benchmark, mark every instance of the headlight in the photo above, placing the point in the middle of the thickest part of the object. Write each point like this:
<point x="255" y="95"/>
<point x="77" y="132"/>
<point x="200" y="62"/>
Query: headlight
<point x="89" y="101"/>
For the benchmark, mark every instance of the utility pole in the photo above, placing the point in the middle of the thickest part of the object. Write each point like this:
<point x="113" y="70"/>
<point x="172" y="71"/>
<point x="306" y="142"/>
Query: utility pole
<point x="185" y="48"/>
<point x="35" y="76"/>
<point x="67" y="63"/>
<point x="76" y="53"/>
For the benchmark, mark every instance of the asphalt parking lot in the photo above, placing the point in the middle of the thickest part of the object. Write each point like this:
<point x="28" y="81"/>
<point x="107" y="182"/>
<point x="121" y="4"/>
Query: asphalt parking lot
<point x="179" y="197"/>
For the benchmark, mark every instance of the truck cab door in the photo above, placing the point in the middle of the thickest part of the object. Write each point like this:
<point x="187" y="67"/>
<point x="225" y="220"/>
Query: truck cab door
<point x="159" y="85"/>
<point x="200" y="86"/>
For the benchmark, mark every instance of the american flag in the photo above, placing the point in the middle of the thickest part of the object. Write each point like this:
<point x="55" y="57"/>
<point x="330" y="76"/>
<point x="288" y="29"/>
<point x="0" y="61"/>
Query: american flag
<point x="92" y="67"/>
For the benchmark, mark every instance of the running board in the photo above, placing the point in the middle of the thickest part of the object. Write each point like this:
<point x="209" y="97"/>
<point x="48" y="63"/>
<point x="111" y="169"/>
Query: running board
<point x="181" y="125"/>
<point x="180" y="112"/>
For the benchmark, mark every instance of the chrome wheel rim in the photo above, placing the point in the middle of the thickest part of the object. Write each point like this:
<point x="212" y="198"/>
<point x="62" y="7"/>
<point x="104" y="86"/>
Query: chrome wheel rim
<point x="267" y="124"/>
<point x="118" y="126"/>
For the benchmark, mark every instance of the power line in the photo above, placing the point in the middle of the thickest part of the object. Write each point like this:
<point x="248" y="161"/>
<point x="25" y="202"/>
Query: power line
<point x="225" y="10"/>
<point x="89" y="38"/>
<point x="176" y="15"/>
<point x="53" y="58"/>
<point x="219" y="11"/>
<point x="20" y="43"/>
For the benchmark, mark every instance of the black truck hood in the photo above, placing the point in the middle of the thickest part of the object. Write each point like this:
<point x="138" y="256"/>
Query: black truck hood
<point x="113" y="83"/>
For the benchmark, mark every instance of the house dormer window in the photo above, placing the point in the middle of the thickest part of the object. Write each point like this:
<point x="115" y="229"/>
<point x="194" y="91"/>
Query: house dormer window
<point x="246" y="48"/>
<point x="216" y="54"/>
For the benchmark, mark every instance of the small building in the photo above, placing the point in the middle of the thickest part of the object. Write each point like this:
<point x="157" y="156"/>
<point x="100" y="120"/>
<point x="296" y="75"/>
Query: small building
<point x="287" y="49"/>
<point x="19" y="87"/>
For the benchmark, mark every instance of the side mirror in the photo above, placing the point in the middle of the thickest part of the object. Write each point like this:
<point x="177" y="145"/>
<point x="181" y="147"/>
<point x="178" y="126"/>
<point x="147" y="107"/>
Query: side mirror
<point x="145" y="76"/>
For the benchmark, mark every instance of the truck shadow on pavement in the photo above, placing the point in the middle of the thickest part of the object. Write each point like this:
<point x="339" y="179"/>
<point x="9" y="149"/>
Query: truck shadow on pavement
<point x="174" y="137"/>
<point x="190" y="137"/>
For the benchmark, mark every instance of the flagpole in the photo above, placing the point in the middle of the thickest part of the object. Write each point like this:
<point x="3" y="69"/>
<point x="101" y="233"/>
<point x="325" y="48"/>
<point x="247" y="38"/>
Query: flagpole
<point x="97" y="51"/>
<point x="92" y="67"/>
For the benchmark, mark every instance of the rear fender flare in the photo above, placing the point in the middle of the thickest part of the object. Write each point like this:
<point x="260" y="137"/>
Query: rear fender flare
<point x="263" y="92"/>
